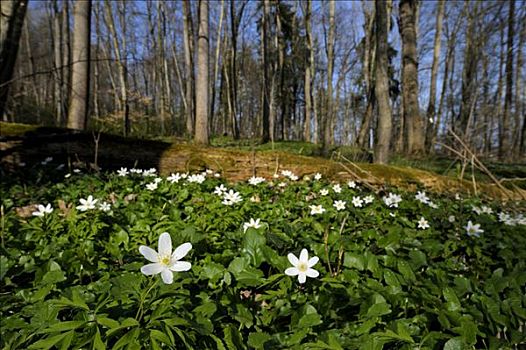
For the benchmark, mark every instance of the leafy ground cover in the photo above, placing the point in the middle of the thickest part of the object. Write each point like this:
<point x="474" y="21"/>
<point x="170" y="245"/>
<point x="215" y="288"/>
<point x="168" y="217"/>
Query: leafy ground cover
<point x="394" y="269"/>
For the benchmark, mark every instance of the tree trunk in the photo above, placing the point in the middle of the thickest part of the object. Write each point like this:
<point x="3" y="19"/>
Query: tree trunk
<point x="381" y="149"/>
<point x="327" y="119"/>
<point x="188" y="34"/>
<point x="12" y="17"/>
<point x="505" y="136"/>
<point x="80" y="67"/>
<point x="412" y="120"/>
<point x="265" y="121"/>
<point x="216" y="66"/>
<point x="431" y="115"/>
<point x="308" y="68"/>
<point x="201" y="105"/>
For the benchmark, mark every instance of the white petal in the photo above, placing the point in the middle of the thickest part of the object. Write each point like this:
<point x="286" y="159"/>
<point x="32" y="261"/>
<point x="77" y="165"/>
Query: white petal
<point x="304" y="255"/>
<point x="293" y="259"/>
<point x="152" y="269"/>
<point x="302" y="277"/>
<point x="149" y="253"/>
<point x="180" y="266"/>
<point x="168" y="276"/>
<point x="292" y="271"/>
<point x="312" y="273"/>
<point x="165" y="244"/>
<point x="313" y="261"/>
<point x="181" y="251"/>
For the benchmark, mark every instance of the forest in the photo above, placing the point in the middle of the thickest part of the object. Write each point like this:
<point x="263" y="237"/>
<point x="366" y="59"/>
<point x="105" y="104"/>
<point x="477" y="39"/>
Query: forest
<point x="393" y="77"/>
<point x="263" y="174"/>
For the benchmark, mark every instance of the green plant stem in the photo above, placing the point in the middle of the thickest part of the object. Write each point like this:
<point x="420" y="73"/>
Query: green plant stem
<point x="140" y="312"/>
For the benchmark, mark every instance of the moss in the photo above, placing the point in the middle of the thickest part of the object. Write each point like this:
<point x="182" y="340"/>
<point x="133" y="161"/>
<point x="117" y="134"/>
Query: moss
<point x="15" y="129"/>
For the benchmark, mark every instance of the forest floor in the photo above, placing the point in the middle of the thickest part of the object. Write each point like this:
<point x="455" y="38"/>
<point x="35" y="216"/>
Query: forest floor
<point x="239" y="160"/>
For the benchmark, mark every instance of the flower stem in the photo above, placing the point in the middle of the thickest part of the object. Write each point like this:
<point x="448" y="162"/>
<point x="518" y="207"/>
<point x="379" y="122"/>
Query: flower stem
<point x="140" y="311"/>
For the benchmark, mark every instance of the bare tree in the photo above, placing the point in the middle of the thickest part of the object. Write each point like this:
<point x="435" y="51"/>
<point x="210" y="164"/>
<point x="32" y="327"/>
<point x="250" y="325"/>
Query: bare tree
<point x="381" y="150"/>
<point x="414" y="125"/>
<point x="188" y="40"/>
<point x="80" y="67"/>
<point x="431" y="112"/>
<point x="504" y="139"/>
<point x="309" y="68"/>
<point x="201" y="105"/>
<point x="12" y="14"/>
<point x="327" y="119"/>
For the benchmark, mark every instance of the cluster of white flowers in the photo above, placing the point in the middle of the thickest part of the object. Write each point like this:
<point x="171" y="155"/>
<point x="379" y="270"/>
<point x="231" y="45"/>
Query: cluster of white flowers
<point x="256" y="180"/>
<point x="289" y="174"/>
<point x="231" y="197"/>
<point x="149" y="172"/>
<point x="508" y="220"/>
<point x="197" y="178"/>
<point x="482" y="210"/>
<point x="43" y="210"/>
<point x="392" y="200"/>
<point x="424" y="199"/>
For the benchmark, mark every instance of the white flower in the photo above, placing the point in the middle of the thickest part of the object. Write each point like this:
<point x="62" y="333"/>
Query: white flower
<point x="43" y="210"/>
<point x="152" y="186"/>
<point x="337" y="188"/>
<point x="184" y="175"/>
<point x="357" y="202"/>
<point x="173" y="178"/>
<point x="149" y="172"/>
<point x="316" y="209"/>
<point x="209" y="171"/>
<point x="433" y="205"/>
<point x="164" y="261"/>
<point x="255" y="180"/>
<point x="286" y="173"/>
<point x="457" y="196"/>
<point x="339" y="205"/>
<point x="486" y="210"/>
<point x="473" y="230"/>
<point x="252" y="223"/>
<point x="231" y="198"/>
<point x="282" y="184"/>
<point x="368" y="199"/>
<point x="421" y="197"/>
<point x="392" y="200"/>
<point x="317" y="176"/>
<point x="219" y="190"/>
<point x="67" y="175"/>
<point x="60" y="166"/>
<point x="217" y="175"/>
<point x="293" y="177"/>
<point x="451" y="218"/>
<point x="76" y="171"/>
<point x="122" y="172"/>
<point x="157" y="180"/>
<point x="302" y="267"/>
<point x="255" y="199"/>
<point x="87" y="204"/>
<point x="351" y="184"/>
<point x="104" y="206"/>
<point x="422" y="223"/>
<point x="275" y="176"/>
<point x="324" y="192"/>
<point x="197" y="178"/>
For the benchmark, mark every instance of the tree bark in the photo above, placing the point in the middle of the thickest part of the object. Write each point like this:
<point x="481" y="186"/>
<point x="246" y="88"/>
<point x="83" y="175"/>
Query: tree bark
<point x="412" y="120"/>
<point x="12" y="15"/>
<point x="308" y="68"/>
<point x="188" y="34"/>
<point x="431" y="112"/>
<point x="327" y="119"/>
<point x="504" y="139"/>
<point x="80" y="67"/>
<point x="381" y="149"/>
<point x="265" y="121"/>
<point x="201" y="105"/>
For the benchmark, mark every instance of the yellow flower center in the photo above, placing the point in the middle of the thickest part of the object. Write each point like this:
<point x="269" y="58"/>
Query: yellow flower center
<point x="303" y="267"/>
<point x="164" y="259"/>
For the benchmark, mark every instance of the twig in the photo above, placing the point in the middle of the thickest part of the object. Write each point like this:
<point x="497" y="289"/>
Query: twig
<point x="96" y="157"/>
<point x="473" y="176"/>
<point x="363" y="180"/>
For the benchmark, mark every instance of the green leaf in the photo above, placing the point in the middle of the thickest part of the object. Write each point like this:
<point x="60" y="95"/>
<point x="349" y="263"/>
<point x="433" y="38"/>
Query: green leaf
<point x="98" y="344"/>
<point x="353" y="260"/>
<point x="454" y="344"/>
<point x="48" y="342"/>
<point x="107" y="322"/>
<point x="378" y="310"/>
<point x="405" y="269"/>
<point x="453" y="304"/>
<point x="158" y="335"/>
<point x="63" y="326"/>
<point x="257" y="340"/>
